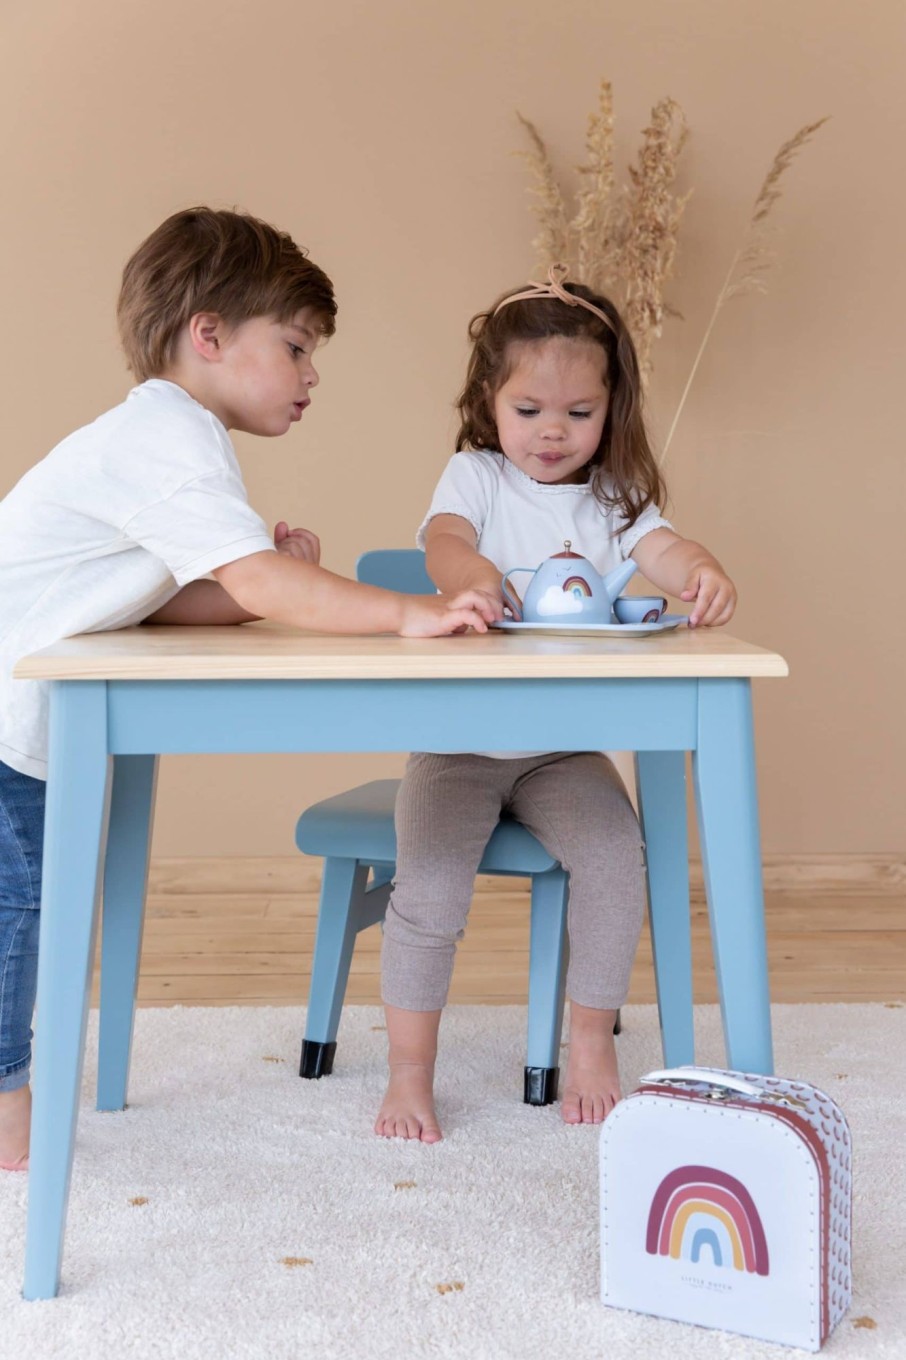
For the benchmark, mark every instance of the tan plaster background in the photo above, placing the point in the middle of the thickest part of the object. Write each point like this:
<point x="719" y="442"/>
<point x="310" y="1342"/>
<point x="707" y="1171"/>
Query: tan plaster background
<point x="381" y="137"/>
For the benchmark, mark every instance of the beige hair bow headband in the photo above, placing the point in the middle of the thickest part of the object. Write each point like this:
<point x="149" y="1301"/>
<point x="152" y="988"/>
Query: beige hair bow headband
<point x="556" y="276"/>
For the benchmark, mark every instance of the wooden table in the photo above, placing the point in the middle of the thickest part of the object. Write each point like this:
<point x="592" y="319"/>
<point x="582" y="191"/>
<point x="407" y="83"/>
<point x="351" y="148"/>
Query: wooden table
<point x="121" y="699"/>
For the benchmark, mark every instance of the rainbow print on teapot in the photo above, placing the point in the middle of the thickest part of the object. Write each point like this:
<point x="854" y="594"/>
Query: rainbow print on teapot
<point x="578" y="586"/>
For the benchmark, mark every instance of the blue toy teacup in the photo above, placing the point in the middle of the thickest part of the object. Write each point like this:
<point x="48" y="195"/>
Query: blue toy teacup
<point x="639" y="608"/>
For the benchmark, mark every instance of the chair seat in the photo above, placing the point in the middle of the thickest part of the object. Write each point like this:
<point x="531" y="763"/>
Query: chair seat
<point x="358" y="824"/>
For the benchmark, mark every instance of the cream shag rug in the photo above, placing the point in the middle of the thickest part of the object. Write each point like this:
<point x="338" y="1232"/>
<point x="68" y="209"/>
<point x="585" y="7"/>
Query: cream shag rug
<point x="236" y="1211"/>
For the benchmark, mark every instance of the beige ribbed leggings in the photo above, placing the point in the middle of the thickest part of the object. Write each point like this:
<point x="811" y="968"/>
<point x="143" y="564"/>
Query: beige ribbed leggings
<point x="447" y="807"/>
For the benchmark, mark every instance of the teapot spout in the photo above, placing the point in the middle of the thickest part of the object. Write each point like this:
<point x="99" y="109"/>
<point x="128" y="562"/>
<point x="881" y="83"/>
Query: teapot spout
<point x="615" y="580"/>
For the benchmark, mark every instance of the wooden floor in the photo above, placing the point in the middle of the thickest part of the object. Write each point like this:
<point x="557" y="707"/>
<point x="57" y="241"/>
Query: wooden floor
<point x="213" y="950"/>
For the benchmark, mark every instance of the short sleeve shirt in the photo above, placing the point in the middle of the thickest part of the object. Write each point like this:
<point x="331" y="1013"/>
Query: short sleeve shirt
<point x="106" y="529"/>
<point x="520" y="522"/>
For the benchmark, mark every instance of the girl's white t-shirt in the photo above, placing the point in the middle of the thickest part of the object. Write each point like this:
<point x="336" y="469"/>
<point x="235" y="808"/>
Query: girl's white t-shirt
<point x="520" y="522"/>
<point x="107" y="528"/>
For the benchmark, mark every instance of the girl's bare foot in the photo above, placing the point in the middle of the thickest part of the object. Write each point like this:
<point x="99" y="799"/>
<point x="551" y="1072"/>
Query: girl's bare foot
<point x="15" y="1123"/>
<point x="592" y="1085"/>
<point x="408" y="1107"/>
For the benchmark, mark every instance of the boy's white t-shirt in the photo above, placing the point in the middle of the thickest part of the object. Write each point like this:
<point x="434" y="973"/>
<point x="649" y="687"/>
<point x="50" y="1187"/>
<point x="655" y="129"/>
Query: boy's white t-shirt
<point x="520" y="522"/>
<point x="107" y="528"/>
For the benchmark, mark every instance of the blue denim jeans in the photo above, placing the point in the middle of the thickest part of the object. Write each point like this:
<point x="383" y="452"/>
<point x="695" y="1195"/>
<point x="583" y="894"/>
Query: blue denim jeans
<point x="21" y="848"/>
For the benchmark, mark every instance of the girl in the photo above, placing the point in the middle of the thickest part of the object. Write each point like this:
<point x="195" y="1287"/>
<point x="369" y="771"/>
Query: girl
<point x="552" y="446"/>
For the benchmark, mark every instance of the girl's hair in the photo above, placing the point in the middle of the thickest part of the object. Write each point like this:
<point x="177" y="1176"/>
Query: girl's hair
<point x="623" y="472"/>
<point x="205" y="260"/>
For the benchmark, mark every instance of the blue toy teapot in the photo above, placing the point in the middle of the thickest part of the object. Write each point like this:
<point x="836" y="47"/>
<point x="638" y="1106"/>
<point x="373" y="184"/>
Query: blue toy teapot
<point x="567" y="589"/>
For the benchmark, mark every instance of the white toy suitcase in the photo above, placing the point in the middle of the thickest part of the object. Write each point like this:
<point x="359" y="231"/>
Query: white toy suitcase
<point x="726" y="1201"/>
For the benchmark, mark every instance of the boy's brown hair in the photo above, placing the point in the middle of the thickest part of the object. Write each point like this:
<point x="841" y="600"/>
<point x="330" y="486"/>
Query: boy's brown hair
<point x="209" y="260"/>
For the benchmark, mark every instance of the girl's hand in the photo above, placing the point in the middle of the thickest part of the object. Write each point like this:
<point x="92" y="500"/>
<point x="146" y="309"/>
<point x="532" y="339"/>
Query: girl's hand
<point x="714" y="595"/>
<point x="439" y="615"/>
<point x="301" y="543"/>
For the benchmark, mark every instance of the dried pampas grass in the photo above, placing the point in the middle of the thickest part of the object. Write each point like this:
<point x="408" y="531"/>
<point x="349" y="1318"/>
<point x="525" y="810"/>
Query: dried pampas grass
<point x="552" y="241"/>
<point x="619" y="241"/>
<point x="654" y="218"/>
<point x="622" y="241"/>
<point x="753" y="257"/>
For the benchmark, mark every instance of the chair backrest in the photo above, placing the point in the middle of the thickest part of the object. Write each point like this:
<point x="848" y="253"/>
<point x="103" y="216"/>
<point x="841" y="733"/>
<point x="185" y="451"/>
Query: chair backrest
<point x="396" y="569"/>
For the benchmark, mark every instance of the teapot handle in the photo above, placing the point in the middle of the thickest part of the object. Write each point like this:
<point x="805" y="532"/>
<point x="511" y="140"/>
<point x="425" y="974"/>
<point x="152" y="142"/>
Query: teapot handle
<point x="512" y="601"/>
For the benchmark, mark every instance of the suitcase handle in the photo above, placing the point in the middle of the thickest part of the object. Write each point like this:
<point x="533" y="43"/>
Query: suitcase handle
<point x="704" y="1074"/>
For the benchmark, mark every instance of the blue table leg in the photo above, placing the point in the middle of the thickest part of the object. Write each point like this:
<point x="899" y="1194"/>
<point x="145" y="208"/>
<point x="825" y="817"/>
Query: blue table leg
<point x="661" y="782"/>
<point x="74" y="836"/>
<point x="125" y="885"/>
<point x="723" y="768"/>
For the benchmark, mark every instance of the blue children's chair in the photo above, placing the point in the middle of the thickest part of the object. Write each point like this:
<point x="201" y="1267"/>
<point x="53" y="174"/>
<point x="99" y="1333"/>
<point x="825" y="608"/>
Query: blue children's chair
<point x="355" y="834"/>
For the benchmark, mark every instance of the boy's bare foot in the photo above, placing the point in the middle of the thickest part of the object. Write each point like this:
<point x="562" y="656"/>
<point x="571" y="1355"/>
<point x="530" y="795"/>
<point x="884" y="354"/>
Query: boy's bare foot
<point x="592" y="1085"/>
<point x="408" y="1107"/>
<point x="15" y="1123"/>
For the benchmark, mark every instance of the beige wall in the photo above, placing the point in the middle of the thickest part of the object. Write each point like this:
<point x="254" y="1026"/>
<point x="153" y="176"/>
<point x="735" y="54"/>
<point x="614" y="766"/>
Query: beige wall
<point x="380" y="136"/>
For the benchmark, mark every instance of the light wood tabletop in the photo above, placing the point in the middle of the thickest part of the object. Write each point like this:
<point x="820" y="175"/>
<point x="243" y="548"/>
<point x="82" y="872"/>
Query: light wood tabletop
<point x="264" y="651"/>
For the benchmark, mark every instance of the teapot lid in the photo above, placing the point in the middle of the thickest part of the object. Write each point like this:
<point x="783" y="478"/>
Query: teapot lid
<point x="567" y="544"/>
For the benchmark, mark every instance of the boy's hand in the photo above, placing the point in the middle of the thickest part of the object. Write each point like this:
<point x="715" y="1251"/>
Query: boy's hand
<point x="492" y="598"/>
<point x="714" y="595"/>
<point x="301" y="543"/>
<point x="438" y="615"/>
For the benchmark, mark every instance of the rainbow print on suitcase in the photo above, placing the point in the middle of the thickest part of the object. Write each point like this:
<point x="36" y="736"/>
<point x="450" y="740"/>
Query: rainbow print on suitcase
<point x="726" y="1202"/>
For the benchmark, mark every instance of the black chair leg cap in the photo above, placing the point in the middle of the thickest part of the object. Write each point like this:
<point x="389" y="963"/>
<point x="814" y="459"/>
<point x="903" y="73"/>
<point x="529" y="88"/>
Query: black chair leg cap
<point x="541" y="1085"/>
<point x="317" y="1059"/>
<point x="618" y="1024"/>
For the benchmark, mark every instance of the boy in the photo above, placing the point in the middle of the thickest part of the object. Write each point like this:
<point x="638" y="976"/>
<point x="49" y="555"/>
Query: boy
<point x="219" y="316"/>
